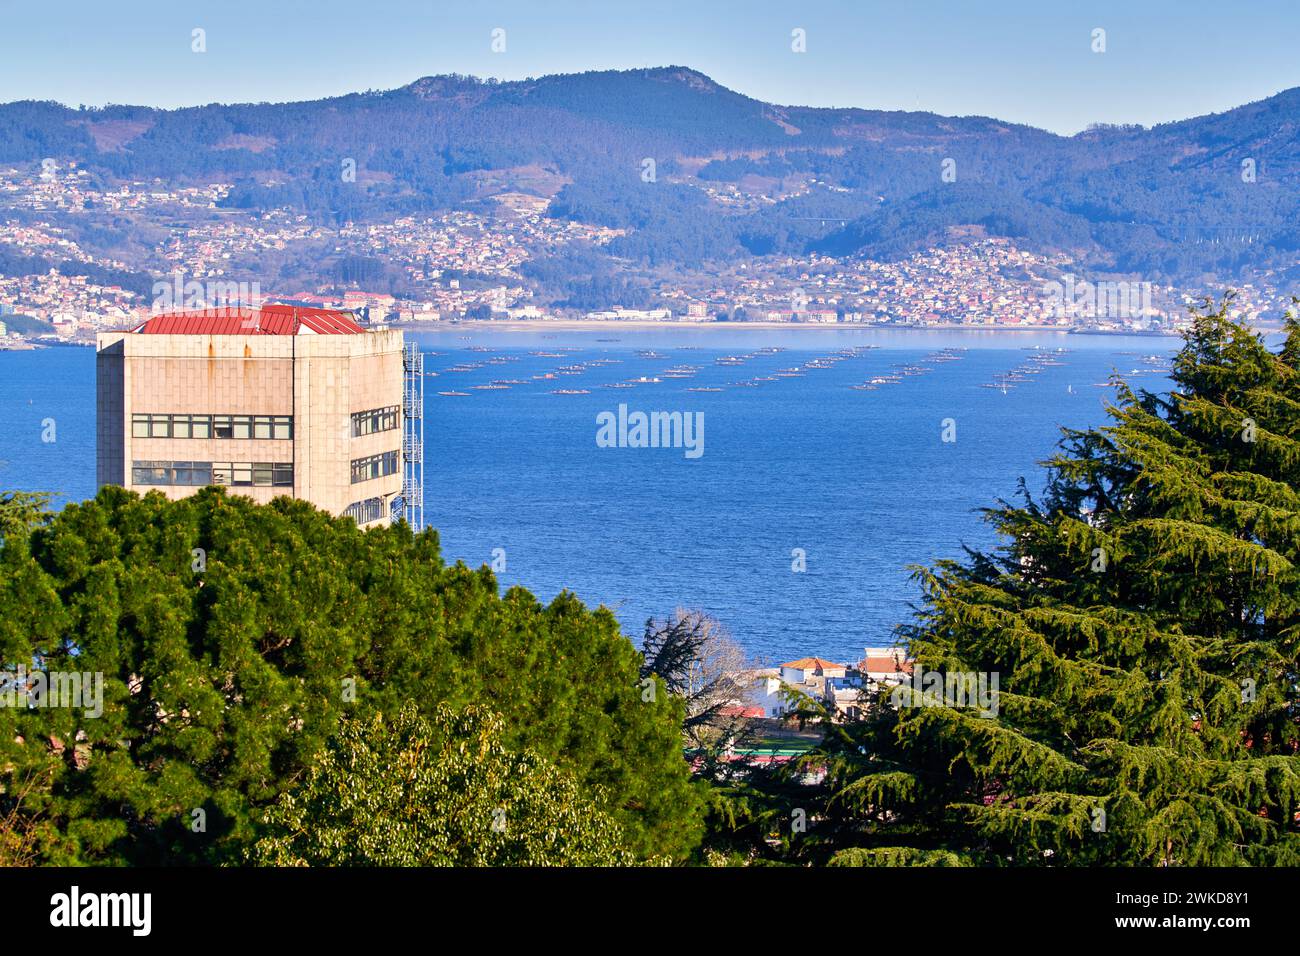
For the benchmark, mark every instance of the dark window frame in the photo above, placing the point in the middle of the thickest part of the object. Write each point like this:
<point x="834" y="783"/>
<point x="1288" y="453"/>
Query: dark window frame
<point x="201" y="474"/>
<point x="375" y="466"/>
<point x="375" y="420"/>
<point x="221" y="427"/>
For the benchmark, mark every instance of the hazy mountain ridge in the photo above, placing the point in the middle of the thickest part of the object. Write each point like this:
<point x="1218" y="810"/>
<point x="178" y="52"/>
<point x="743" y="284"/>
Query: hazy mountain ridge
<point x="1171" y="201"/>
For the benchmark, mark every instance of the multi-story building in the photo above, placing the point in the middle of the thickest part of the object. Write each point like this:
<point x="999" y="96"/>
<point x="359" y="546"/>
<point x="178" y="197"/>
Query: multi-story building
<point x="273" y="401"/>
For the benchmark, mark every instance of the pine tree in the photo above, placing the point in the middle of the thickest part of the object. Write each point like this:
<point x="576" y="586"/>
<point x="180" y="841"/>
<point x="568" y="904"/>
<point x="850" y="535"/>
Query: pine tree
<point x="233" y="638"/>
<point x="1142" y="622"/>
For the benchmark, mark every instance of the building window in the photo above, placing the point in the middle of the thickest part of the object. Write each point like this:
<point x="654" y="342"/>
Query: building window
<point x="196" y="474"/>
<point x="212" y="426"/>
<point x="376" y="420"/>
<point x="268" y="473"/>
<point x="151" y="473"/>
<point x="364" y="512"/>
<point x="192" y="473"/>
<point x="375" y="466"/>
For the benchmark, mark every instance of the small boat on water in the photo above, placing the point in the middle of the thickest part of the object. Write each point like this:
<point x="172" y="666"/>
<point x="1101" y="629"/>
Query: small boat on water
<point x="570" y="391"/>
<point x="456" y="394"/>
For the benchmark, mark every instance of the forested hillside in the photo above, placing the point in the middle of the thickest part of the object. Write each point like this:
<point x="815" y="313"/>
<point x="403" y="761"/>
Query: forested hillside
<point x="1177" y="201"/>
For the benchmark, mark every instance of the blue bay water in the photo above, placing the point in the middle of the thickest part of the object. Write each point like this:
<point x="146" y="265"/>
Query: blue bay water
<point x="860" y="480"/>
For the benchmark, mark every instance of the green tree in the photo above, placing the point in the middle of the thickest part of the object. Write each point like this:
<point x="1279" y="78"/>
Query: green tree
<point x="232" y="639"/>
<point x="21" y="511"/>
<point x="1142" y="621"/>
<point x="440" y="792"/>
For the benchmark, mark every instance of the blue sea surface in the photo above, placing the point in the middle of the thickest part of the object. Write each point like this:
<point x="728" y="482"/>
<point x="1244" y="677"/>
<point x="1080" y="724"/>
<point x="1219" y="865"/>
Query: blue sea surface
<point x="861" y="482"/>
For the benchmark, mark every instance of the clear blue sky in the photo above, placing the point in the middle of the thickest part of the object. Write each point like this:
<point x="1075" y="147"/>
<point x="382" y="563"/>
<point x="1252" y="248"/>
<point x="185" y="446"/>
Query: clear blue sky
<point x="1020" y="61"/>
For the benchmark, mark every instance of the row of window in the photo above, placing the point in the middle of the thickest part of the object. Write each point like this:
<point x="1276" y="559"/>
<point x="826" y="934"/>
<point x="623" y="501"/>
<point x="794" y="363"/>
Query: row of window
<point x="376" y="420"/>
<point x="211" y="426"/>
<point x="364" y="512"/>
<point x="201" y="473"/>
<point x="374" y="466"/>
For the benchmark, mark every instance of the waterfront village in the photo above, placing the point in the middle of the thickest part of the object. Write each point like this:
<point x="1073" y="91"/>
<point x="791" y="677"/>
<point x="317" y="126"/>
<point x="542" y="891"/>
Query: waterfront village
<point x="773" y="704"/>
<point x="462" y="265"/>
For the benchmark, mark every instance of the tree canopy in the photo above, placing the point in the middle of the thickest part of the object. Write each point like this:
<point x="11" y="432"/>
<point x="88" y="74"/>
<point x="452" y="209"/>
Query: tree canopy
<point x="439" y="792"/>
<point x="233" y="638"/>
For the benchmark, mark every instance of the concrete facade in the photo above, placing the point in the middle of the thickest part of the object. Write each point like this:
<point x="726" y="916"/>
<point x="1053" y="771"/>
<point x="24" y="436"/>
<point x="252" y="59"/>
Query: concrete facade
<point x="317" y="381"/>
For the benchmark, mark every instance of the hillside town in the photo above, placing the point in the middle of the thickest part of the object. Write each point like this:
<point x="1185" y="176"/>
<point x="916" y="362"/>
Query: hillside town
<point x="468" y="264"/>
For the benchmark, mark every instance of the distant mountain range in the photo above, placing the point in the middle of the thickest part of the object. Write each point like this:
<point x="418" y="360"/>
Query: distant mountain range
<point x="700" y="173"/>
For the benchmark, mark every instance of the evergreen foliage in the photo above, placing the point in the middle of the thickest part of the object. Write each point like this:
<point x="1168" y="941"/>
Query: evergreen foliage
<point x="1143" y="620"/>
<point x="228" y="669"/>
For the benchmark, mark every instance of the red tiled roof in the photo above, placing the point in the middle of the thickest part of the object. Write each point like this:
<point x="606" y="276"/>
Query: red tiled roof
<point x="241" y="320"/>
<point x="885" y="665"/>
<point x="811" y="664"/>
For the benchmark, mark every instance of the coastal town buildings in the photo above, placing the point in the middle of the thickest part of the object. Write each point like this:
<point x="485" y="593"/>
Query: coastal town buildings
<point x="843" y="688"/>
<point x="478" y="264"/>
